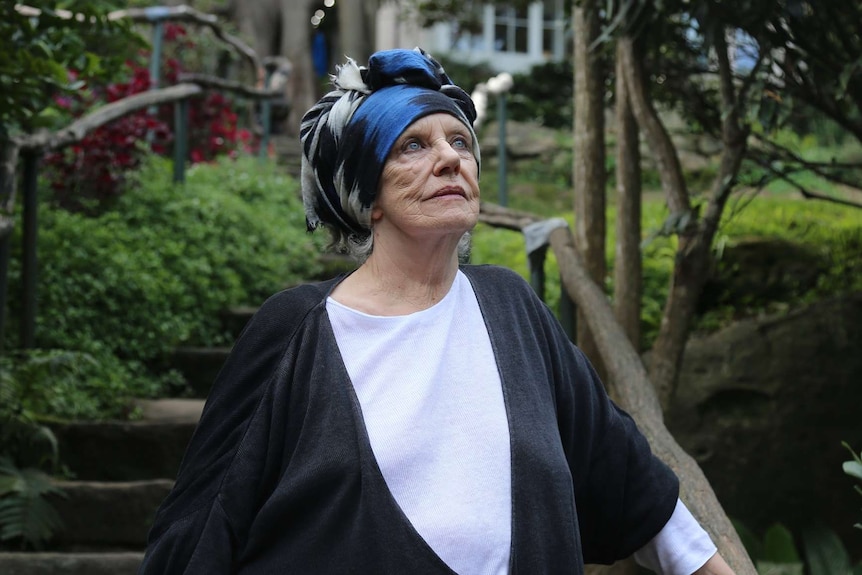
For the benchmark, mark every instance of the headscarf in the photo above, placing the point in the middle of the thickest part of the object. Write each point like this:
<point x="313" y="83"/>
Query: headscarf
<point x="347" y="136"/>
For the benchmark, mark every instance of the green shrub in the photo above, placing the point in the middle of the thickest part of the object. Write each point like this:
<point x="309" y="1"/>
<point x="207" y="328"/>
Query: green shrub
<point x="155" y="271"/>
<point x="468" y="76"/>
<point x="28" y="452"/>
<point x="830" y="235"/>
<point x="59" y="384"/>
<point x="823" y="552"/>
<point x="544" y="95"/>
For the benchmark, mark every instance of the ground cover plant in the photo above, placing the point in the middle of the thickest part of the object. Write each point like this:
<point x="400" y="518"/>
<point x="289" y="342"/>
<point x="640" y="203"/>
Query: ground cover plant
<point x="828" y="234"/>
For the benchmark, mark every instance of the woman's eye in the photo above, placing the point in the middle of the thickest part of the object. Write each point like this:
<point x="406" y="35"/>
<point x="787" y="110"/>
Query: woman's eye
<point x="412" y="146"/>
<point x="460" y="142"/>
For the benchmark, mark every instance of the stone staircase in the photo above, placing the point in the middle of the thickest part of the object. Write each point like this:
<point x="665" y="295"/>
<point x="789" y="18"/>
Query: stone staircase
<point x="123" y="472"/>
<point x="288" y="150"/>
<point x="124" y="469"/>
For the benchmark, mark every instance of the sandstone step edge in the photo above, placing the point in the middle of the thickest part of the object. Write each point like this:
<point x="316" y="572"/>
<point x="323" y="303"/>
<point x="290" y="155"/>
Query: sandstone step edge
<point x="126" y="450"/>
<point x="54" y="563"/>
<point x="106" y="514"/>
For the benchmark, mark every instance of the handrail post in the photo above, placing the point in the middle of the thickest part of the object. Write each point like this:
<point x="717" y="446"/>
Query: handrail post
<point x="537" y="237"/>
<point x="266" y="111"/>
<point x="502" y="184"/>
<point x="181" y="139"/>
<point x="536" y="262"/>
<point x="156" y="15"/>
<point x="567" y="312"/>
<point x="9" y="155"/>
<point x="156" y="56"/>
<point x="30" y="235"/>
<point x="4" y="283"/>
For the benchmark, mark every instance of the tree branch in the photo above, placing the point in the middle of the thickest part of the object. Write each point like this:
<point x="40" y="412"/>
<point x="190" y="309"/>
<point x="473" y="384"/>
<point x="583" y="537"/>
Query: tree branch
<point x="500" y="217"/>
<point x="188" y="14"/>
<point x="805" y="192"/>
<point x="216" y="83"/>
<point x="661" y="146"/>
<point x="815" y="167"/>
<point x="153" y="14"/>
<point x="693" y="252"/>
<point x="78" y="130"/>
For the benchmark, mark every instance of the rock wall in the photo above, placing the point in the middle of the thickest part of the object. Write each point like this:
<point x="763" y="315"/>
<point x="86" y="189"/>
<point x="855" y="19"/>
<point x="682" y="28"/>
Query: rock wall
<point x="764" y="406"/>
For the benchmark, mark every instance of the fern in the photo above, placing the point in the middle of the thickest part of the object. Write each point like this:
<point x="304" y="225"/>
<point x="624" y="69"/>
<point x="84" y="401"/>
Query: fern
<point x="26" y="515"/>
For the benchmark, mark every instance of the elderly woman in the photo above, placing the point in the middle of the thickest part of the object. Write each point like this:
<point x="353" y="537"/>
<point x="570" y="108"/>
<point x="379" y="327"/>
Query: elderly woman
<point x="415" y="415"/>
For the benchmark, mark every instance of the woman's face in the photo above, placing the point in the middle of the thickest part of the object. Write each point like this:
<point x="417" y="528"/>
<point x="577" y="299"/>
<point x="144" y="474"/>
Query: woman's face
<point x="430" y="183"/>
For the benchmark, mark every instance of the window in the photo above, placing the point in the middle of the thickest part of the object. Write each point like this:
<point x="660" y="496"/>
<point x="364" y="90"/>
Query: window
<point x="553" y="28"/>
<point x="510" y="30"/>
<point x="466" y="34"/>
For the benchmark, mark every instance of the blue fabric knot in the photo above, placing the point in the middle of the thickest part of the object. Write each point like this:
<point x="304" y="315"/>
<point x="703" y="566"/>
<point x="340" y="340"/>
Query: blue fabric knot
<point x="391" y="67"/>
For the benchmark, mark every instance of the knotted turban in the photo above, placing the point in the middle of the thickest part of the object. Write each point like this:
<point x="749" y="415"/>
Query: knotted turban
<point x="347" y="136"/>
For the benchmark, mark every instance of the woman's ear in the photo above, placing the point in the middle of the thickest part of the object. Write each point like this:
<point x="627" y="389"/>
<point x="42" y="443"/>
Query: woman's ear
<point x="376" y="214"/>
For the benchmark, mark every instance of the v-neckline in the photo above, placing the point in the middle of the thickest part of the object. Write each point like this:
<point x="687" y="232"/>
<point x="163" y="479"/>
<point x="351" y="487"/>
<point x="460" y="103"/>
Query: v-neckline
<point x="370" y="467"/>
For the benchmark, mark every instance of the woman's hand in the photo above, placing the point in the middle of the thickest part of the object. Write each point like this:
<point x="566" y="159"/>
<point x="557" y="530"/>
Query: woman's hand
<point x="716" y="565"/>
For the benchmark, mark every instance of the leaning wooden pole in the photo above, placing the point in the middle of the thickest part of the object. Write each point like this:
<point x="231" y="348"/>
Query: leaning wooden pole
<point x="635" y="392"/>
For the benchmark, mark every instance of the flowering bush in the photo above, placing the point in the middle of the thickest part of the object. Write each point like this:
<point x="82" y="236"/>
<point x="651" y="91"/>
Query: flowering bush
<point x="91" y="172"/>
<point x="88" y="175"/>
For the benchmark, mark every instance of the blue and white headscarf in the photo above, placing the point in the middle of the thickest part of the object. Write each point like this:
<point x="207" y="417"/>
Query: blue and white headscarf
<point x="347" y="136"/>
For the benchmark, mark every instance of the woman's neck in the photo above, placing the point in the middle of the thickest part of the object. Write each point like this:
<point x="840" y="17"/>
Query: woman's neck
<point x="398" y="282"/>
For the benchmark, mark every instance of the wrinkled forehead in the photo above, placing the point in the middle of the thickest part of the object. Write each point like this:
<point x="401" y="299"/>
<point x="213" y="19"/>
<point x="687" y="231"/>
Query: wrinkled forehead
<point x="436" y="122"/>
<point x="386" y="114"/>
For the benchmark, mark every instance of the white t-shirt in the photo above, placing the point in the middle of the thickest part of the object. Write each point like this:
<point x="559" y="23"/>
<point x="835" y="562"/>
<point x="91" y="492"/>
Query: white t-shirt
<point x="432" y="404"/>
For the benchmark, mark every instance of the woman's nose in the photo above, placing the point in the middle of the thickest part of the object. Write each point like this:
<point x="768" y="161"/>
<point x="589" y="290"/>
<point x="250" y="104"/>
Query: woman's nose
<point x="448" y="157"/>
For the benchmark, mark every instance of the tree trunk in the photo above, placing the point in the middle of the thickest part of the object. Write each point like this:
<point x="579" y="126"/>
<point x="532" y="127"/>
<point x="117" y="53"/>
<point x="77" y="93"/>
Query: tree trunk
<point x="694" y="252"/>
<point x="589" y="160"/>
<point x="660" y="145"/>
<point x="695" y="237"/>
<point x="628" y="280"/>
<point x="296" y="46"/>
<point x="356" y="31"/>
<point x="680" y="306"/>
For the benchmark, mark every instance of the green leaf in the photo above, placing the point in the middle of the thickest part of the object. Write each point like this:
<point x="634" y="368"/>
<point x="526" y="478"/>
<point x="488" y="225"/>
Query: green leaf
<point x="778" y="545"/>
<point x="853" y="468"/>
<point x="25" y="512"/>
<point x="824" y="552"/>
<point x="769" y="568"/>
<point x="749" y="540"/>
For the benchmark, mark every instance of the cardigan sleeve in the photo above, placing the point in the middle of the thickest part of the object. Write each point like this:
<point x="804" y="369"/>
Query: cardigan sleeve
<point x="201" y="542"/>
<point x="229" y="465"/>
<point x="624" y="495"/>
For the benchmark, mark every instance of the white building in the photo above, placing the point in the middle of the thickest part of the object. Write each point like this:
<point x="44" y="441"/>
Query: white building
<point x="512" y="40"/>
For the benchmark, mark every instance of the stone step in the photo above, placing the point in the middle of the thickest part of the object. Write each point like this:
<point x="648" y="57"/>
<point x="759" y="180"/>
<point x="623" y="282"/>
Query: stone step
<point x="99" y="515"/>
<point x="199" y="366"/>
<point x="151" y="448"/>
<point x="234" y="319"/>
<point x="119" y="563"/>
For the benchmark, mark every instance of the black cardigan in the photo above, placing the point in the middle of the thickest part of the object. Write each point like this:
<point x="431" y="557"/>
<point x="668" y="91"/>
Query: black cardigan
<point x="280" y="477"/>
